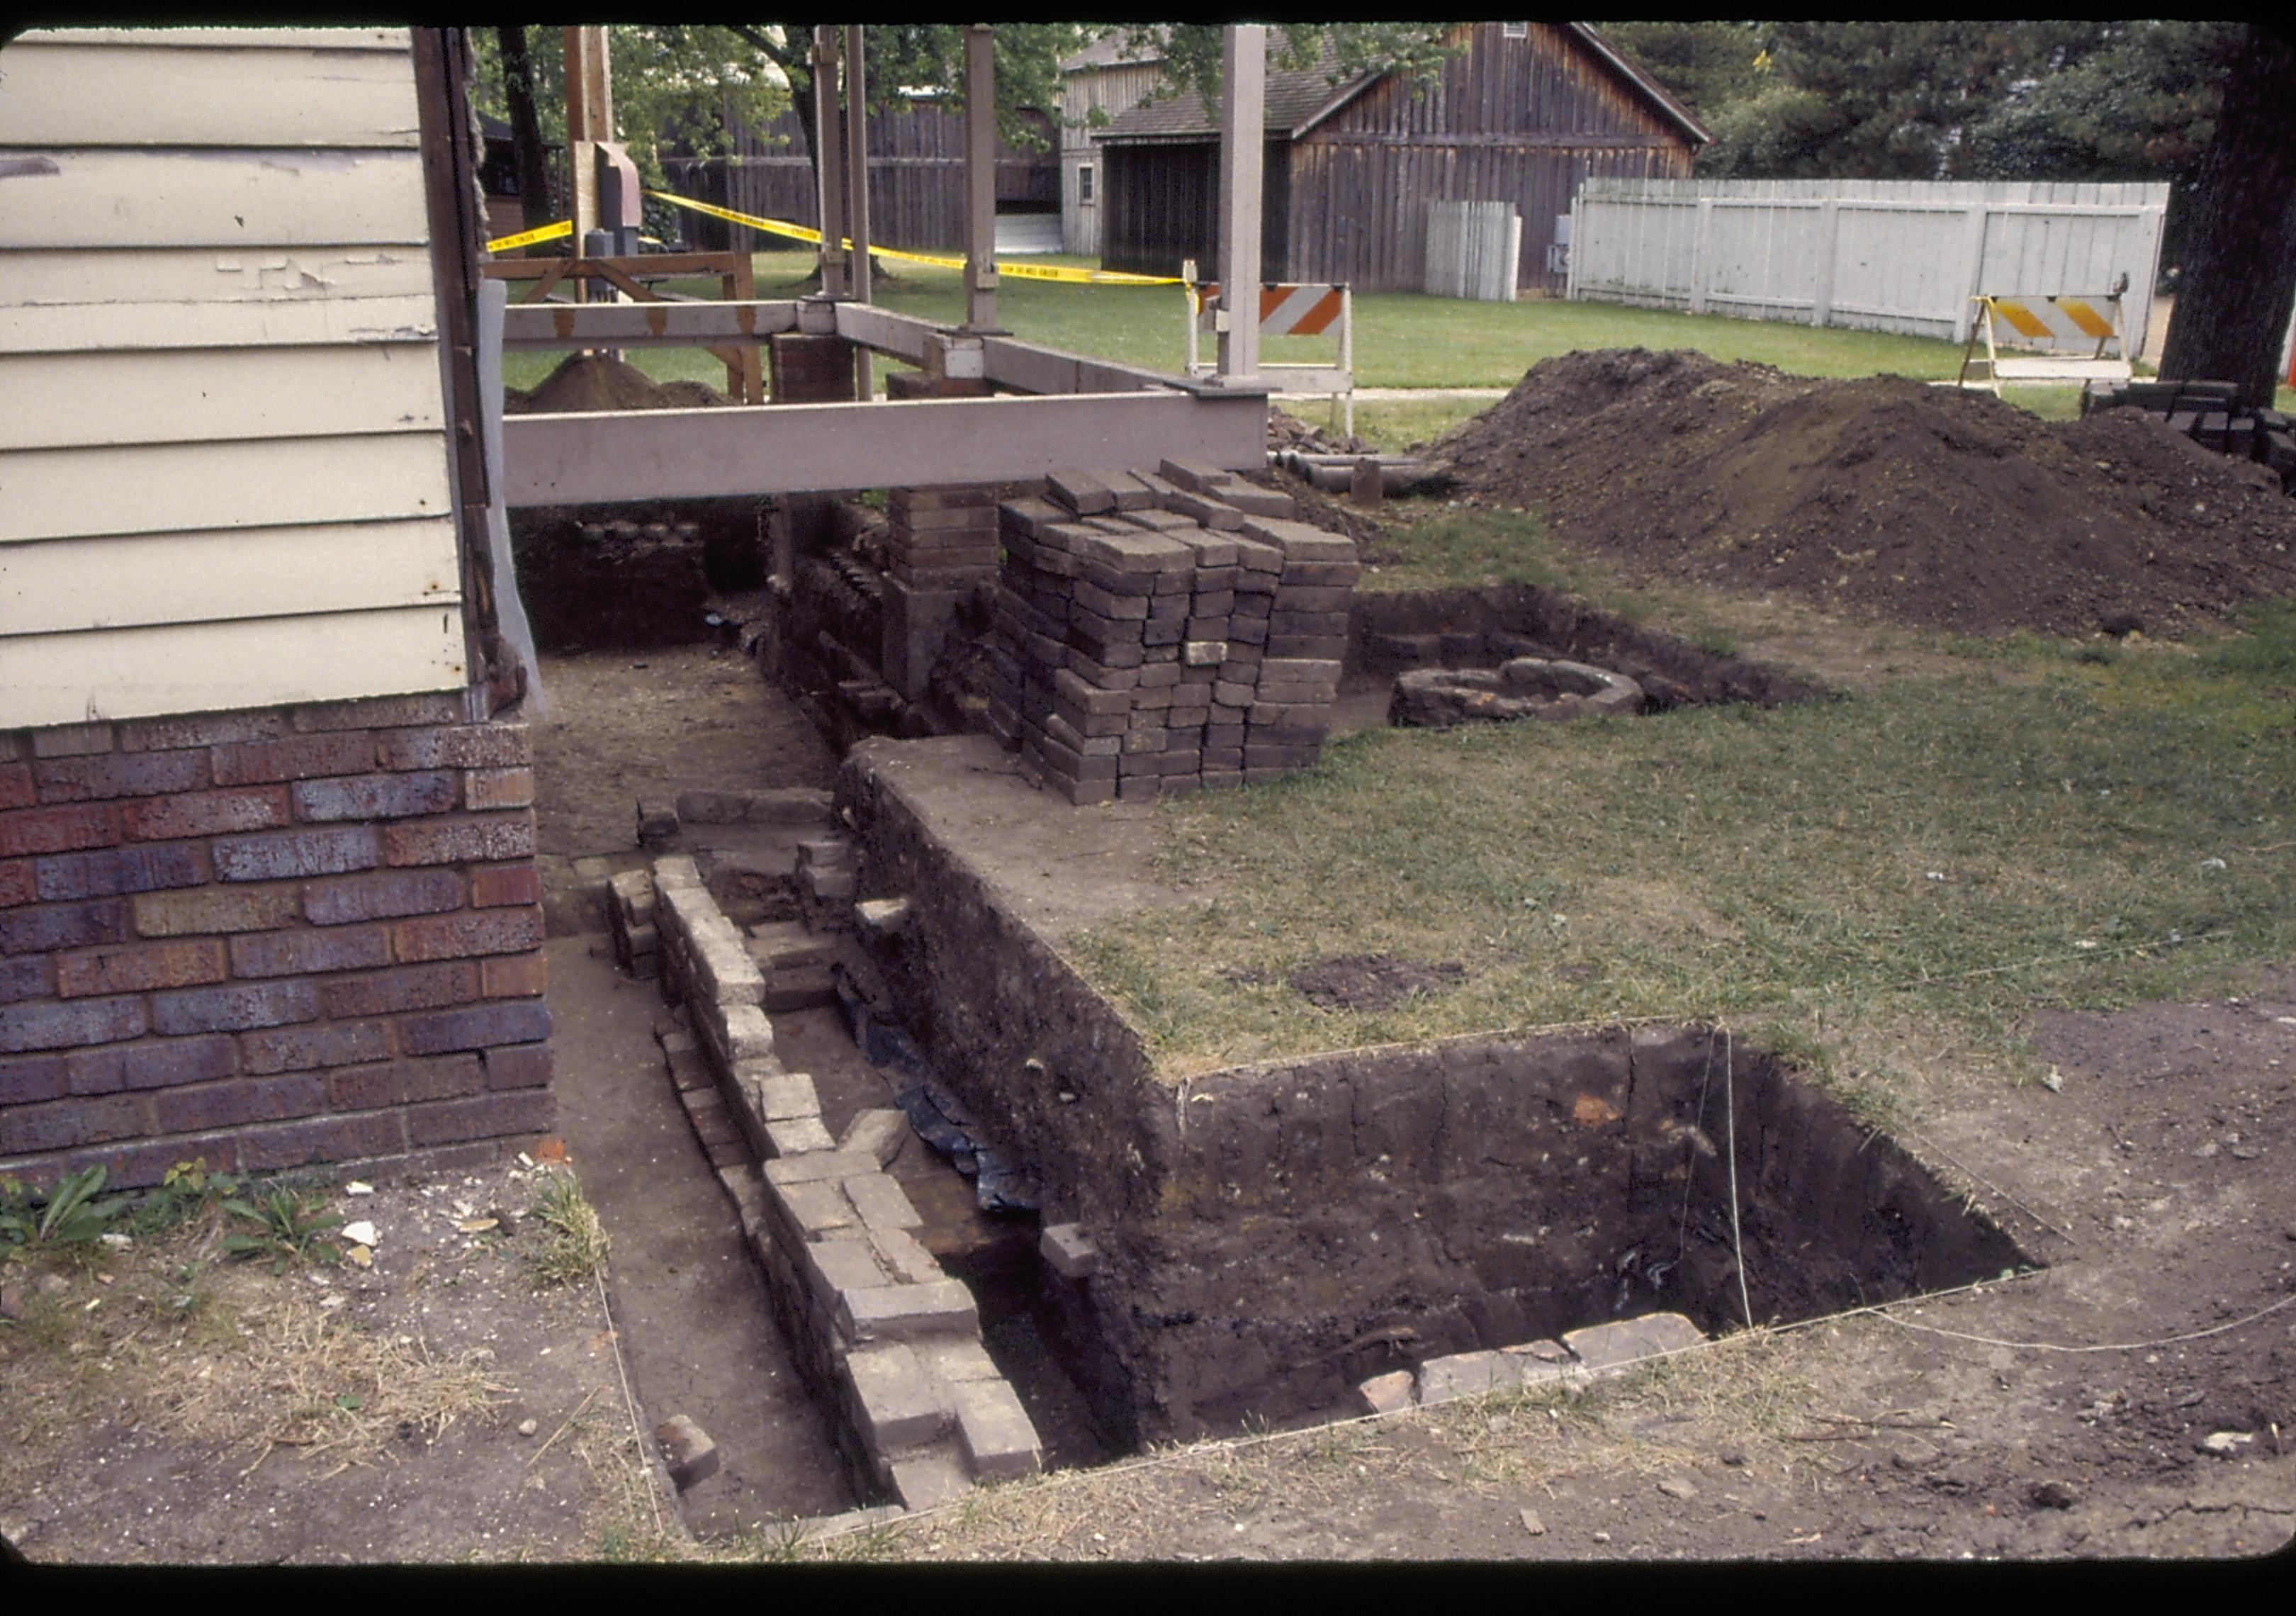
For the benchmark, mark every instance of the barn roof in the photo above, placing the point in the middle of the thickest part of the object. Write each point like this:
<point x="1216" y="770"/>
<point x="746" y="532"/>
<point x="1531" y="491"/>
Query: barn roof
<point x="1301" y="98"/>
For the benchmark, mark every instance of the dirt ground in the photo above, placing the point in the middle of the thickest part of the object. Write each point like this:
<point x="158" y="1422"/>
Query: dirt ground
<point x="1880" y="499"/>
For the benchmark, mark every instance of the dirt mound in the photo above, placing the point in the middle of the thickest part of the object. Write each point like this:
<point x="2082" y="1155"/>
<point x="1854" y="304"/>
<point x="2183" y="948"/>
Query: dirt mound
<point x="1880" y="497"/>
<point x="592" y="382"/>
<point x="1288" y="431"/>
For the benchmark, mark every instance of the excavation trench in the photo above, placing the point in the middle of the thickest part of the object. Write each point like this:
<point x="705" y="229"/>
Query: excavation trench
<point x="1270" y="1235"/>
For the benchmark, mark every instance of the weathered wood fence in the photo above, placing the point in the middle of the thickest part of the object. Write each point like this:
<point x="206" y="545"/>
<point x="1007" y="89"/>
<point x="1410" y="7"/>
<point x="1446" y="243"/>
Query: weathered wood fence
<point x="1879" y="255"/>
<point x="1472" y="250"/>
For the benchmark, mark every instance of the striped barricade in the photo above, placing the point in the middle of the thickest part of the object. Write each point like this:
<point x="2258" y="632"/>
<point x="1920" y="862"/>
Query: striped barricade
<point x="2052" y="325"/>
<point x="1288" y="310"/>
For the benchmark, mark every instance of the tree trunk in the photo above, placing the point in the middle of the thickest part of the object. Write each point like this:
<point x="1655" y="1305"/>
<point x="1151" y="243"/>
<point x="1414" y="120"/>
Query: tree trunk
<point x="527" y="150"/>
<point x="2239" y="277"/>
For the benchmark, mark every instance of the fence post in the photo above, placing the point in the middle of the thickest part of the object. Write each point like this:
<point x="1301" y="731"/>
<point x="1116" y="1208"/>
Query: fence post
<point x="1829" y="230"/>
<point x="1701" y="235"/>
<point x="1962" y="321"/>
<point x="1571" y="258"/>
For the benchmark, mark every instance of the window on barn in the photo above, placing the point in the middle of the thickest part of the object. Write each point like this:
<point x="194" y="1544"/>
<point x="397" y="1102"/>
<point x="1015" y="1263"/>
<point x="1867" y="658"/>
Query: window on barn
<point x="1084" y="185"/>
<point x="1516" y="30"/>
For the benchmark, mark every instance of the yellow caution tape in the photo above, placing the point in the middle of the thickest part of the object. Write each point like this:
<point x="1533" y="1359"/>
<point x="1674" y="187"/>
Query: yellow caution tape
<point x="1025" y="271"/>
<point x="527" y="238"/>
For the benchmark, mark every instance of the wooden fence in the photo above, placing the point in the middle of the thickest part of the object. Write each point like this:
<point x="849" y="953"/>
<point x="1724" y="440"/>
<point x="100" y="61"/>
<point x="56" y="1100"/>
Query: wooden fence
<point x="1472" y="249"/>
<point x="1878" y="255"/>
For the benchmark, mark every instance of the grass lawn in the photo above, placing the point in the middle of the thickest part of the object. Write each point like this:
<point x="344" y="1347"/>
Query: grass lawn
<point x="1847" y="880"/>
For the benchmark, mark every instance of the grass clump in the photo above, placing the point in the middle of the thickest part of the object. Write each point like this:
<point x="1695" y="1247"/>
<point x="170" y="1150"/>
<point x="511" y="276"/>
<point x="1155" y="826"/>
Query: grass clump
<point x="574" y="1245"/>
<point x="1916" y="868"/>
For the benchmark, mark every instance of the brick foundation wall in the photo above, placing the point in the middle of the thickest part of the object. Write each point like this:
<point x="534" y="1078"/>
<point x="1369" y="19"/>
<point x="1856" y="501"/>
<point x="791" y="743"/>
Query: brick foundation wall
<point x="805" y="369"/>
<point x="268" y="938"/>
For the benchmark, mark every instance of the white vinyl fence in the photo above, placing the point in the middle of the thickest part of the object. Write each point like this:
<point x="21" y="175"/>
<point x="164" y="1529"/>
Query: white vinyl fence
<point x="1472" y="250"/>
<point x="1880" y="255"/>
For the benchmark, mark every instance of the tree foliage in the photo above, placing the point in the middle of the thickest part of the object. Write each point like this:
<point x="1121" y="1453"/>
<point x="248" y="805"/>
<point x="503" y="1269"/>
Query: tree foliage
<point x="1190" y="51"/>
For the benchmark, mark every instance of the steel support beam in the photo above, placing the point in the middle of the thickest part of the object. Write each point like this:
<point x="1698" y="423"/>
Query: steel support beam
<point x="597" y="458"/>
<point x="1243" y="136"/>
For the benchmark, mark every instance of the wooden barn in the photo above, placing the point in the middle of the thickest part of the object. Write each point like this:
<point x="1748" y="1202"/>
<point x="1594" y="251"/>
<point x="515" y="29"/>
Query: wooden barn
<point x="1521" y="114"/>
<point x="916" y="183"/>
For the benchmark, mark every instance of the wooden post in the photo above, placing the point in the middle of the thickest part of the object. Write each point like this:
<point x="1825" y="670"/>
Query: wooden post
<point x="979" y="178"/>
<point x="825" y="144"/>
<point x="1702" y="240"/>
<point x="856" y="188"/>
<point x="1243" y="100"/>
<point x="1829" y="250"/>
<point x="589" y="119"/>
<point x="1964" y="326"/>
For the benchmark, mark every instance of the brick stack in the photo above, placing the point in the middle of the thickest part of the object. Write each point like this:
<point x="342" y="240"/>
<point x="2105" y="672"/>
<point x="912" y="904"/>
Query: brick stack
<point x="1157" y="632"/>
<point x="808" y="369"/>
<point x="2210" y="414"/>
<point x="939" y="543"/>
<point x="268" y="938"/>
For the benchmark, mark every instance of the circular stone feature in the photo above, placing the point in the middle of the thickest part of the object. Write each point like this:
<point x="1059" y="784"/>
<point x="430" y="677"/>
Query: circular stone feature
<point x="1525" y="687"/>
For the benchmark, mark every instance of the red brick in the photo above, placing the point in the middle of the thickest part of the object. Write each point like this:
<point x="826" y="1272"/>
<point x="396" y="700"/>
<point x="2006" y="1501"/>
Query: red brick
<point x="408" y="988"/>
<point x="520" y="1066"/>
<point x="28" y="976"/>
<point x="139" y="968"/>
<point x="64" y="876"/>
<point x="381" y="712"/>
<point x="206" y="814"/>
<point x="120" y="775"/>
<point x="375" y="796"/>
<point x="200" y="729"/>
<point x="404" y="1082"/>
<point x="212" y="909"/>
<point x="375" y="1133"/>
<point x="497" y="788"/>
<point x="517" y="976"/>
<point x="463" y="935"/>
<point x="381" y="896"/>
<point x="496" y="888"/>
<point x="16" y="884"/>
<point x="59" y="830"/>
<point x="154" y="1063"/>
<point x="512" y="1022"/>
<point x="301" y="1048"/>
<point x="303" y="758"/>
<point x="16" y="785"/>
<point x="524" y="1110"/>
<point x="283" y="853"/>
<point x="30" y="1078"/>
<point x="62" y="926"/>
<point x="296" y="952"/>
<point x="236" y="1103"/>
<point x="139" y="1166"/>
<point x="463" y="746"/>
<point x="61" y="1124"/>
<point x="235" y="1007"/>
<point x="459" y="841"/>
<point x="42" y="1026"/>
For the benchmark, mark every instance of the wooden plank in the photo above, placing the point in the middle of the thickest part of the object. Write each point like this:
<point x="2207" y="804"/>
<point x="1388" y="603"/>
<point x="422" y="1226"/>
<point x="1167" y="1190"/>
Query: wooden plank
<point x="643" y="325"/>
<point x="580" y="459"/>
<point x="50" y="401"/>
<point x="57" y="328"/>
<point x="202" y="275"/>
<point x="227" y="199"/>
<point x="394" y="39"/>
<point x="131" y="673"/>
<point x="178" y="488"/>
<point x="191" y="578"/>
<point x="138" y="96"/>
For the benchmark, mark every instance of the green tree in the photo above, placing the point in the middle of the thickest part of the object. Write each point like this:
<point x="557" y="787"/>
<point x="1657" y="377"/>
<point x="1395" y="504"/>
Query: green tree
<point x="1190" y="51"/>
<point x="1706" y="66"/>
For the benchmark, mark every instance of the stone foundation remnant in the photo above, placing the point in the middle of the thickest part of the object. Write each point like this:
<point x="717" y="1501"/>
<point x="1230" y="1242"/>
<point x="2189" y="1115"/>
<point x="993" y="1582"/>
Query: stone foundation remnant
<point x="1523" y="687"/>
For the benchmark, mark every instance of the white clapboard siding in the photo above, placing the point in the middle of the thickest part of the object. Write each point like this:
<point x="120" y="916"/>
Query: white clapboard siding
<point x="195" y="577"/>
<point x="1882" y="255"/>
<point x="181" y="488"/>
<point x="224" y="199"/>
<point x="58" y="94"/>
<point x="132" y="673"/>
<point x="214" y="395"/>
<point x="119" y="328"/>
<point x="392" y="41"/>
<point x="202" y="275"/>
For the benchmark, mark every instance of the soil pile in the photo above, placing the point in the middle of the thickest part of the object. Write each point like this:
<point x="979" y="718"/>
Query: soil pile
<point x="592" y="382"/>
<point x="1880" y="497"/>
<point x="1288" y="431"/>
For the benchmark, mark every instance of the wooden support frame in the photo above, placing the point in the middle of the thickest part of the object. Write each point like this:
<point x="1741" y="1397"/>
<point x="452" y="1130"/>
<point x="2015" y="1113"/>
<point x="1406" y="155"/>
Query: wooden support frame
<point x="737" y="280"/>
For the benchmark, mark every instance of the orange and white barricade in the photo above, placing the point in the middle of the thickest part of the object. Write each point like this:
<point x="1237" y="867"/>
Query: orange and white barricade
<point x="2052" y="331"/>
<point x="1286" y="310"/>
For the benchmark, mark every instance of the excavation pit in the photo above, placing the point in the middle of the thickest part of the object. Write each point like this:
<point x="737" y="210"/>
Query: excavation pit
<point x="1521" y="688"/>
<point x="1272" y="1235"/>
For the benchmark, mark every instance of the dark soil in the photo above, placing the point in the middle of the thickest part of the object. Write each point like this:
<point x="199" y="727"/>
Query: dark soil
<point x="592" y="382"/>
<point x="1372" y="982"/>
<point x="1288" y="431"/>
<point x="1881" y="498"/>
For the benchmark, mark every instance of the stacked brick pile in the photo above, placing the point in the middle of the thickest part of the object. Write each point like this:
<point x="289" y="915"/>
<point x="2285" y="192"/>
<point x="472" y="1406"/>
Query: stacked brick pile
<point x="268" y="938"/>
<point x="2210" y="413"/>
<point x="1156" y="633"/>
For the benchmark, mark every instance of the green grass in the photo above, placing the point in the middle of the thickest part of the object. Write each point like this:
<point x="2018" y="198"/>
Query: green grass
<point x="1772" y="867"/>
